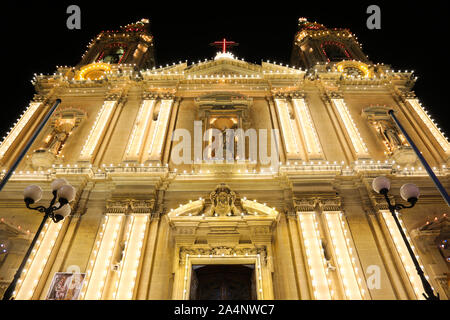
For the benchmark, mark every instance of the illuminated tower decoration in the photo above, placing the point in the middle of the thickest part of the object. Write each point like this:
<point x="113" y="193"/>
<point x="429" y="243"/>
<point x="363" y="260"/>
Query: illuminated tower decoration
<point x="130" y="45"/>
<point x="316" y="44"/>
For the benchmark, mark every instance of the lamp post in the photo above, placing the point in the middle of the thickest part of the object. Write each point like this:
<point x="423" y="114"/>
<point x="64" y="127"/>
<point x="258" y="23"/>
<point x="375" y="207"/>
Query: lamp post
<point x="409" y="192"/>
<point x="59" y="208"/>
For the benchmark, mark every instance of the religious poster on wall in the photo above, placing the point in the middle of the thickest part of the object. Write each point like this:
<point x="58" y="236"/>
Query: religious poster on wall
<point x="66" y="286"/>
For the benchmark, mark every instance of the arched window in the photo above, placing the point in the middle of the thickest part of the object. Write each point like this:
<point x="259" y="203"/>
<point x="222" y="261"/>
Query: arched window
<point x="113" y="53"/>
<point x="335" y="51"/>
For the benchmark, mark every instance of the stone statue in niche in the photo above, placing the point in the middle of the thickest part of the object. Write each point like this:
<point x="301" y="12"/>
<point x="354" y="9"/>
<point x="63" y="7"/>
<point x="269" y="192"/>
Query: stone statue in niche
<point x="228" y="144"/>
<point x="391" y="134"/>
<point x="57" y="141"/>
<point x="396" y="145"/>
<point x="222" y="201"/>
<point x="62" y="125"/>
<point x="395" y="142"/>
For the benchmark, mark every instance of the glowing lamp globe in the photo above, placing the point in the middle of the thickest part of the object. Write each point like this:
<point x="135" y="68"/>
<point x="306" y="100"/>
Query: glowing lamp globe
<point x="66" y="194"/>
<point x="63" y="212"/>
<point x="32" y="194"/>
<point x="381" y="184"/>
<point x="58" y="183"/>
<point x="409" y="192"/>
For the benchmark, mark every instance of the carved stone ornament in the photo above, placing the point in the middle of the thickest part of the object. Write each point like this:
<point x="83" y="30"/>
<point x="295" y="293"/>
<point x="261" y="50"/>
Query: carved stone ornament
<point x="167" y="95"/>
<point x="117" y="206"/>
<point x="223" y="203"/>
<point x="112" y="96"/>
<point x="222" y="200"/>
<point x="223" y="251"/>
<point x="406" y="94"/>
<point x="142" y="206"/>
<point x="149" y="96"/>
<point x="129" y="206"/>
<point x="289" y="94"/>
<point x="329" y="203"/>
<point x="38" y="98"/>
<point x="305" y="204"/>
<point x="334" y="95"/>
<point x="379" y="203"/>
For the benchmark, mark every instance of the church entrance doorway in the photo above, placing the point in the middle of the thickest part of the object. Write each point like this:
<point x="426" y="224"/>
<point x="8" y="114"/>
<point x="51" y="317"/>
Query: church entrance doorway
<point x="223" y="282"/>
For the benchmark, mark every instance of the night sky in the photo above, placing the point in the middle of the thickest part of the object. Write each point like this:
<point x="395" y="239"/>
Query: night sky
<point x="413" y="36"/>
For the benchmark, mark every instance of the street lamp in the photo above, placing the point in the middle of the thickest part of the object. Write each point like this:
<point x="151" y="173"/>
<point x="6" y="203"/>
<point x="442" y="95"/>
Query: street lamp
<point x="59" y="208"/>
<point x="409" y="192"/>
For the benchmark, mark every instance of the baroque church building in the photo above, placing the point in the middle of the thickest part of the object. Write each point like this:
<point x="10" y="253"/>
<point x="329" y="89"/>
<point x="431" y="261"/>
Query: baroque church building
<point x="171" y="205"/>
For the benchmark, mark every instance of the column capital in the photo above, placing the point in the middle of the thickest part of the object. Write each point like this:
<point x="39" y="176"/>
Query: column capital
<point x="305" y="204"/>
<point x="324" y="203"/>
<point x="149" y="95"/>
<point x="293" y="94"/>
<point x="333" y="95"/>
<point x="39" y="98"/>
<point x="405" y="94"/>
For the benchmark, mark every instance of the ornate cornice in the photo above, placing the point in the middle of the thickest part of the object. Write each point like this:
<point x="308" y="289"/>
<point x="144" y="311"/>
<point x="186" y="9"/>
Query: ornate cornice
<point x="130" y="206"/>
<point x="117" y="206"/>
<point x="223" y="251"/>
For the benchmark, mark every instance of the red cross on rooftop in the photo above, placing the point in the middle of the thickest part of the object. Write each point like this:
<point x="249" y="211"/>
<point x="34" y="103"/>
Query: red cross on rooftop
<point x="223" y="44"/>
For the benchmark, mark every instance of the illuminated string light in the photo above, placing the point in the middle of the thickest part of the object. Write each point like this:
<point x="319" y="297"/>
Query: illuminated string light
<point x="318" y="270"/>
<point x="132" y="257"/>
<point x="287" y="128"/>
<point x="346" y="263"/>
<point x="17" y="129"/>
<point x="356" y="139"/>
<point x="103" y="254"/>
<point x="97" y="129"/>
<point x="303" y="116"/>
<point x="402" y="251"/>
<point x="140" y="128"/>
<point x="438" y="135"/>
<point x="160" y="129"/>
<point x="36" y="263"/>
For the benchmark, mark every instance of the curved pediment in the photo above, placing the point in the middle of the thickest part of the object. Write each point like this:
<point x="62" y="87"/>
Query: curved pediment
<point x="223" y="203"/>
<point x="227" y="67"/>
<point x="374" y="113"/>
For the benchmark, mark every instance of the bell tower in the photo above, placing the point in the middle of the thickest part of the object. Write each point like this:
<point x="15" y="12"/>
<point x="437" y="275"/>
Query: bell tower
<point x="314" y="43"/>
<point x="131" y="44"/>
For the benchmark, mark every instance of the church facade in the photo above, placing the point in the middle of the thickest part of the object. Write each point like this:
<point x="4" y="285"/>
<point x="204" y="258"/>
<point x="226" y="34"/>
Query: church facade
<point x="224" y="179"/>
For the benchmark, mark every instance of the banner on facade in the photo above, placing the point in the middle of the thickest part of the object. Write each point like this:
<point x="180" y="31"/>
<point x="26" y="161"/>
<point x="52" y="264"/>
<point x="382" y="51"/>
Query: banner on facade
<point x="65" y="286"/>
